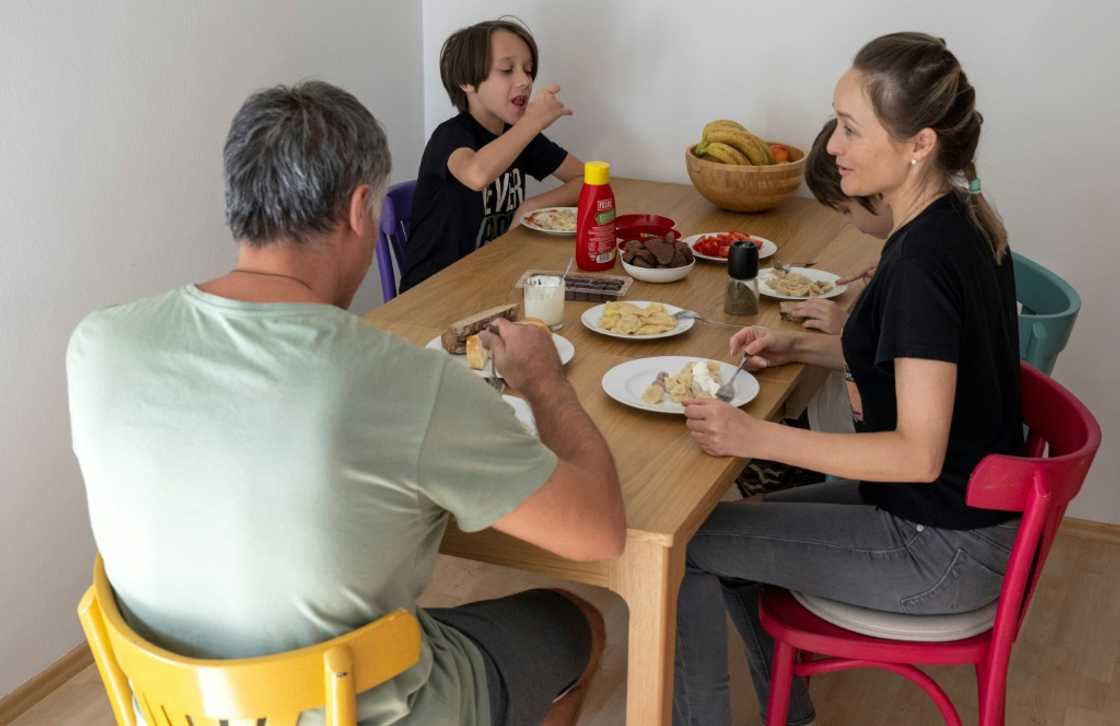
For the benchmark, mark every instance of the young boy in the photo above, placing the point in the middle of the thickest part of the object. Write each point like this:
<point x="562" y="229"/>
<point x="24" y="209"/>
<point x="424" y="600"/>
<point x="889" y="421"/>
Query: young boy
<point x="830" y="409"/>
<point x="471" y="184"/>
<point x="869" y="215"/>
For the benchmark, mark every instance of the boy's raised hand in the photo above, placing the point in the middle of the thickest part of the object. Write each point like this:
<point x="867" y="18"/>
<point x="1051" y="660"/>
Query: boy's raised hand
<point x="545" y="107"/>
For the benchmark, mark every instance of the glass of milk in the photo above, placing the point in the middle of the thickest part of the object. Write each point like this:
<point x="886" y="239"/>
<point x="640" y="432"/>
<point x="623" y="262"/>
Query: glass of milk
<point x="544" y="299"/>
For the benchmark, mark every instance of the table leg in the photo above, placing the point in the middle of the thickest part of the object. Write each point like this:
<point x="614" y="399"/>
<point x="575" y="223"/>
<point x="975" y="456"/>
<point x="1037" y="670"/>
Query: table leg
<point x="648" y="577"/>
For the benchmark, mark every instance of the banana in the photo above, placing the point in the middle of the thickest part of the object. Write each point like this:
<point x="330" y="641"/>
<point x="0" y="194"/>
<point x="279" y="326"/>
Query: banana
<point x="760" y="148"/>
<point x="721" y="123"/>
<point x="745" y="142"/>
<point x="725" y="154"/>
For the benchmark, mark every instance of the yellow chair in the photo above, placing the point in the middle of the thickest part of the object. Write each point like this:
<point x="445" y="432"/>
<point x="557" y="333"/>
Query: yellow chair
<point x="172" y="690"/>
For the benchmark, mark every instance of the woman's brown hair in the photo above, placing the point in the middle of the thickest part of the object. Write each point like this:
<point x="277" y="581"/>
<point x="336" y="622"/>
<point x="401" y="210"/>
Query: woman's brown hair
<point x="915" y="82"/>
<point x="465" y="56"/>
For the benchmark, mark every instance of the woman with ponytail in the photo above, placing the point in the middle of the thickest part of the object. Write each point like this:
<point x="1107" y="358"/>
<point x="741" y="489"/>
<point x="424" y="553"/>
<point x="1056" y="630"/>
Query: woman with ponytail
<point x="931" y="351"/>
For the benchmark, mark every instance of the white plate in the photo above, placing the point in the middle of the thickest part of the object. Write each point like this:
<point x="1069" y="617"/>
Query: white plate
<point x="564" y="347"/>
<point x="809" y="272"/>
<point x="523" y="413"/>
<point x="592" y="316"/>
<point x="626" y="381"/>
<point x="768" y="248"/>
<point x="563" y="233"/>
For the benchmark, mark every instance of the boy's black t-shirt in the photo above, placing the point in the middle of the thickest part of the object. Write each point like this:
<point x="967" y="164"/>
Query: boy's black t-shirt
<point x="450" y="220"/>
<point x="939" y="294"/>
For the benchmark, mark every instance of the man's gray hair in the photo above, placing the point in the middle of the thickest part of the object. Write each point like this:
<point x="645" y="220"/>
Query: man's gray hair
<point x="293" y="157"/>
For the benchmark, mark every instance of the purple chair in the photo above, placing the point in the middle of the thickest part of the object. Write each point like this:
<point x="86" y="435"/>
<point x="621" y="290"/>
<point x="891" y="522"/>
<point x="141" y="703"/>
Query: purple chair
<point x="396" y="215"/>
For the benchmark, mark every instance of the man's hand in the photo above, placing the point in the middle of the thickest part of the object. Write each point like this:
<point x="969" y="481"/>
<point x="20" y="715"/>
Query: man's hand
<point x="763" y="347"/>
<point x="545" y="108"/>
<point x="525" y="355"/>
<point x="719" y="428"/>
<point x="823" y="315"/>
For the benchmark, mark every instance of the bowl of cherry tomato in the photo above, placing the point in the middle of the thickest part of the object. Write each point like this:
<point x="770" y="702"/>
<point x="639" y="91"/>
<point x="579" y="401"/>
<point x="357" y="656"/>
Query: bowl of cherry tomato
<point x="716" y="246"/>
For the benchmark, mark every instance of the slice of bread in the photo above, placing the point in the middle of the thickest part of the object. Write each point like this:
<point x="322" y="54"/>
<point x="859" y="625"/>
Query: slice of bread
<point x="787" y="309"/>
<point x="454" y="339"/>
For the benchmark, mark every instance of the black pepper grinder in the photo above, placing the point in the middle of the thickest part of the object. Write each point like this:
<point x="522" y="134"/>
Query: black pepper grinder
<point x="742" y="280"/>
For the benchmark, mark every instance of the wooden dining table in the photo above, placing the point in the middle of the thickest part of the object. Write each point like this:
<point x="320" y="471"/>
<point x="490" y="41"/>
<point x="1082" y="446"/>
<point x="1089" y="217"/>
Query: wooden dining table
<point x="668" y="484"/>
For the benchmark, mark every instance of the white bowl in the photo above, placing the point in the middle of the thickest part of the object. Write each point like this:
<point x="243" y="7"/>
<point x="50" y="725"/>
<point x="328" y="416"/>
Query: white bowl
<point x="658" y="274"/>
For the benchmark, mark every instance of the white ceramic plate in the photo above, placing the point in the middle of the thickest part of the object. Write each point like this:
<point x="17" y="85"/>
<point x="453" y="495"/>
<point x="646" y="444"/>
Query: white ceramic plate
<point x="626" y="381"/>
<point x="523" y="413"/>
<point x="768" y="248"/>
<point x="564" y="347"/>
<point x="592" y="316"/>
<point x="816" y="275"/>
<point x="562" y="232"/>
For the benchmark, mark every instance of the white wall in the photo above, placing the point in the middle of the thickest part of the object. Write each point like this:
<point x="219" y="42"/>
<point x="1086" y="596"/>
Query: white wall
<point x="643" y="77"/>
<point x="112" y="119"/>
<point x="112" y="116"/>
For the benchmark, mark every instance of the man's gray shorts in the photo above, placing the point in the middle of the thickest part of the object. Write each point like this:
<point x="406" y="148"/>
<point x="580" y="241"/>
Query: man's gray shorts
<point x="536" y="644"/>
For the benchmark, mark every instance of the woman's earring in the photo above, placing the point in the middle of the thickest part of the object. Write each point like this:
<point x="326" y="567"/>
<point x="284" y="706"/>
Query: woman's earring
<point x="913" y="162"/>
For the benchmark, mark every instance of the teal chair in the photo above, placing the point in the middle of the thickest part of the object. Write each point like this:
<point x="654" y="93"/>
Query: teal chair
<point x="1049" y="310"/>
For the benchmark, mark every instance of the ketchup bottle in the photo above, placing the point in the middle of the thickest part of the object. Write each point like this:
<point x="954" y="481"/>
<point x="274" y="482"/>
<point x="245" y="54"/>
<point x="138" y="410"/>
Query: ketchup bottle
<point x="595" y="239"/>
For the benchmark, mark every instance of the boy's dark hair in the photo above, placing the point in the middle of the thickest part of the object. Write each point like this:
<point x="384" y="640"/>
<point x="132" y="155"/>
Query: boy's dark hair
<point x="465" y="57"/>
<point x="822" y="177"/>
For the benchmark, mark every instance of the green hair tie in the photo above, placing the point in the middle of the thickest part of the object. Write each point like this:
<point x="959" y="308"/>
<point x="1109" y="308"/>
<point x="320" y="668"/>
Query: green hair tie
<point x="974" y="186"/>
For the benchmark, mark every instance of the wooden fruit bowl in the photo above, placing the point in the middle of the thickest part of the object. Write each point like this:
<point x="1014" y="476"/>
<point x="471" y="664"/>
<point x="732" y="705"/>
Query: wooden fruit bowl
<point x="741" y="188"/>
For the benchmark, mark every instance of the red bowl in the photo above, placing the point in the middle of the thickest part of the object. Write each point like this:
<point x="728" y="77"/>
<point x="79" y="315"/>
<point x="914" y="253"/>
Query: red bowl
<point x="641" y="231"/>
<point x="643" y="220"/>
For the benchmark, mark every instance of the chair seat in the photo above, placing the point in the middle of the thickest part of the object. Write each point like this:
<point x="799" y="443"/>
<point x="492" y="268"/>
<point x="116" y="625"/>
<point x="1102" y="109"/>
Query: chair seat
<point x="785" y="618"/>
<point x="896" y="626"/>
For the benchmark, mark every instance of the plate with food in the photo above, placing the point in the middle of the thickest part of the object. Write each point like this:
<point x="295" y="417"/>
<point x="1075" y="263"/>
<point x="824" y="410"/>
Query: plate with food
<point x="552" y="220"/>
<point x="461" y="341"/>
<point x="800" y="283"/>
<point x="660" y="383"/>
<point x="638" y="320"/>
<point x="523" y="413"/>
<point x="716" y="246"/>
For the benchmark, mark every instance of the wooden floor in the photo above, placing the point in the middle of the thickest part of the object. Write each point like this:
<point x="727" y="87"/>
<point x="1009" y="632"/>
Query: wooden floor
<point x="1065" y="667"/>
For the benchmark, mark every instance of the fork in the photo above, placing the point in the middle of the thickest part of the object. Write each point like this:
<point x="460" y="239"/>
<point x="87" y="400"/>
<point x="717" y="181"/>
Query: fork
<point x="496" y="382"/>
<point x="682" y="314"/>
<point x="786" y="268"/>
<point x="726" y="392"/>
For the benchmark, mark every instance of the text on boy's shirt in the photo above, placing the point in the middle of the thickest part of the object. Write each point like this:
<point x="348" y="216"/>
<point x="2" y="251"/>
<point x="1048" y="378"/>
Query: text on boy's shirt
<point x="500" y="199"/>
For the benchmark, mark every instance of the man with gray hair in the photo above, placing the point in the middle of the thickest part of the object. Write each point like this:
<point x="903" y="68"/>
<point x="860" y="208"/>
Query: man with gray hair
<point x="265" y="471"/>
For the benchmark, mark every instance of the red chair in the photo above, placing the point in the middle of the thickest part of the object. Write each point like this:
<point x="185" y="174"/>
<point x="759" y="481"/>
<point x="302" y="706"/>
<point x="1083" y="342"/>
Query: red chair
<point x="1038" y="486"/>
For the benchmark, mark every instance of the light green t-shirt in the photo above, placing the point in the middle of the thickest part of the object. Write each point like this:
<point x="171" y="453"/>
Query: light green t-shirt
<point x="262" y="477"/>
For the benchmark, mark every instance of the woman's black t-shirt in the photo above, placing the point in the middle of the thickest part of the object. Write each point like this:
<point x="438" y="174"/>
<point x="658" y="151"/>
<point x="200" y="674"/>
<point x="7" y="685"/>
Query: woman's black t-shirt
<point x="939" y="294"/>
<point x="450" y="220"/>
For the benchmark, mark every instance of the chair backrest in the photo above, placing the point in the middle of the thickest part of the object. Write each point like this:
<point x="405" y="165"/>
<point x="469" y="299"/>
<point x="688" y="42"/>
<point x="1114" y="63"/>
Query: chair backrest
<point x="396" y="215"/>
<point x="1049" y="310"/>
<point x="1039" y="486"/>
<point x="270" y="690"/>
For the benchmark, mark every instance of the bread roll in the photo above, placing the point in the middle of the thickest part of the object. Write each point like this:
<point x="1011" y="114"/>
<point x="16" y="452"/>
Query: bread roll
<point x="535" y="321"/>
<point x="476" y="354"/>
